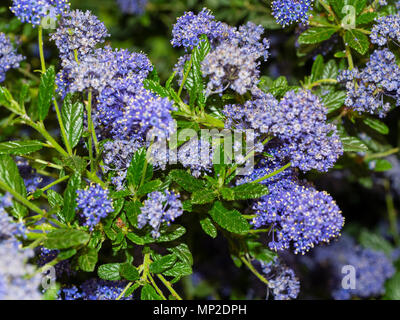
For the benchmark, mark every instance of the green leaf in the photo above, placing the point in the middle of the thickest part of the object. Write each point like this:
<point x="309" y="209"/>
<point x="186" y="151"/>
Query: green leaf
<point x="171" y="233"/>
<point x="20" y="147"/>
<point x="186" y="180"/>
<point x="66" y="238"/>
<point x="132" y="210"/>
<point x="376" y="125"/>
<point x="244" y="192"/>
<point x="7" y="101"/>
<point x="109" y="271"/>
<point x="375" y="242"/>
<point x="382" y="165"/>
<point x="317" y="68"/>
<point x="331" y="70"/>
<point x="55" y="199"/>
<point x="156" y="87"/>
<point x="334" y="100"/>
<point x="352" y="144"/>
<point x="149" y="293"/>
<point x="136" y="239"/>
<point x="137" y="168"/>
<point x="315" y="35"/>
<point x="72" y="118"/>
<point x="163" y="264"/>
<point x="10" y="176"/>
<point x="392" y="287"/>
<point x="129" y="272"/>
<point x="208" y="227"/>
<point x="366" y="17"/>
<point x="68" y="212"/>
<point x="202" y="196"/>
<point x="230" y="220"/>
<point x="46" y="92"/>
<point x="180" y="269"/>
<point x="149" y="187"/>
<point x="88" y="259"/>
<point x="182" y="251"/>
<point x="357" y="40"/>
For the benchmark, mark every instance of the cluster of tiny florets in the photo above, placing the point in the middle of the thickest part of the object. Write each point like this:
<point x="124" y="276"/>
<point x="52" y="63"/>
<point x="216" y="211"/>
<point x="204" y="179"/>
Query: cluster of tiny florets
<point x="287" y="12"/>
<point x="196" y="154"/>
<point x="373" y="268"/>
<point x="9" y="58"/>
<point x="46" y="256"/>
<point x="299" y="215"/>
<point x="136" y="7"/>
<point x="33" y="11"/>
<point x="282" y="280"/>
<point x="386" y="28"/>
<point x="94" y="204"/>
<point x="367" y="88"/>
<point x="159" y="207"/>
<point x="13" y="263"/>
<point x="117" y="156"/>
<point x="77" y="34"/>
<point x="32" y="179"/>
<point x="95" y="289"/>
<point x="298" y="121"/>
<point x="190" y="27"/>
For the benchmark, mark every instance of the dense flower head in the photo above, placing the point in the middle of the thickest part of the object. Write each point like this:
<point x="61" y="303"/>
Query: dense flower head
<point x="33" y="11"/>
<point x="298" y="122"/>
<point x="287" y="12"/>
<point x="95" y="289"/>
<point x="159" y="207"/>
<point x="299" y="215"/>
<point x="117" y="156"/>
<point x="94" y="203"/>
<point x="13" y="262"/>
<point x="77" y="34"/>
<point x="190" y="27"/>
<point x="231" y="66"/>
<point x="93" y="72"/>
<point x="9" y="58"/>
<point x="136" y="7"/>
<point x="386" y="28"/>
<point x="372" y="268"/>
<point x="367" y="88"/>
<point x="196" y="154"/>
<point x="282" y="280"/>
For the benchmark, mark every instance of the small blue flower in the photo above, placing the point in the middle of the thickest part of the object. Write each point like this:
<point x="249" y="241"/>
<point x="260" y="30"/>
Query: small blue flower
<point x="94" y="204"/>
<point x="9" y="59"/>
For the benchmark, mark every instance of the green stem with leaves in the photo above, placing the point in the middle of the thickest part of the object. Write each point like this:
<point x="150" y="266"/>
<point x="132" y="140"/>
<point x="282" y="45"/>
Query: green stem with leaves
<point x="253" y="270"/>
<point x="169" y="287"/>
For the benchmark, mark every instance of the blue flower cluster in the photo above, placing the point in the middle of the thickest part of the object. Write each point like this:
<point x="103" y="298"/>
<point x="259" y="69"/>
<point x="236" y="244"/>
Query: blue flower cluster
<point x="297" y="214"/>
<point x="386" y="28"/>
<point x="94" y="203"/>
<point x="13" y="262"/>
<point x="234" y="63"/>
<point x="33" y="11"/>
<point x="287" y="12"/>
<point x="282" y="280"/>
<point x="190" y="27"/>
<point x="77" y="34"/>
<point x="117" y="156"/>
<point x="159" y="207"/>
<point x="372" y="268"/>
<point x="298" y="121"/>
<point x="9" y="59"/>
<point x="136" y="7"/>
<point x="196" y="154"/>
<point x="95" y="289"/>
<point x="367" y="88"/>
